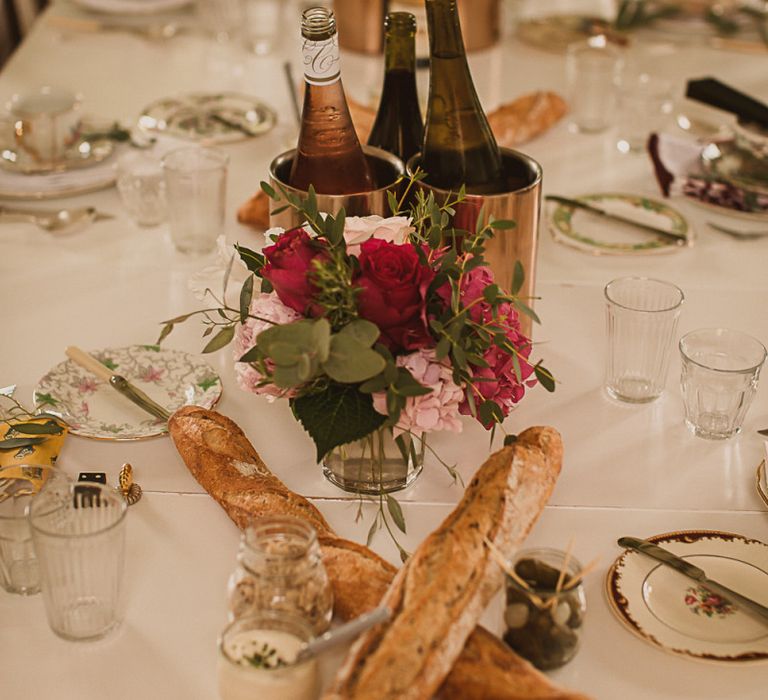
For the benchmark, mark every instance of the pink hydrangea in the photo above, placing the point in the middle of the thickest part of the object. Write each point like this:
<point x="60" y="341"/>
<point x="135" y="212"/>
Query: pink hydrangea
<point x="438" y="410"/>
<point x="270" y="308"/>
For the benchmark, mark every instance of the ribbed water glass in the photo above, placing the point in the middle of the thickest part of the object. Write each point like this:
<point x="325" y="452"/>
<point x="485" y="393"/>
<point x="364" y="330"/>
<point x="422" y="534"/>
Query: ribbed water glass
<point x="641" y="318"/>
<point x="79" y="538"/>
<point x="720" y="371"/>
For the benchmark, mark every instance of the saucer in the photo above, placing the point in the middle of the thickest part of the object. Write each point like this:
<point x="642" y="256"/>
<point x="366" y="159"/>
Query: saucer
<point x="94" y="409"/>
<point x="213" y="117"/>
<point x="83" y="153"/>
<point x="592" y="234"/>
<point x="132" y="7"/>
<point x="727" y="161"/>
<point x="674" y="613"/>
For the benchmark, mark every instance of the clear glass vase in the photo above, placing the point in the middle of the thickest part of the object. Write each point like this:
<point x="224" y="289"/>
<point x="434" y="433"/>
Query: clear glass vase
<point x="378" y="463"/>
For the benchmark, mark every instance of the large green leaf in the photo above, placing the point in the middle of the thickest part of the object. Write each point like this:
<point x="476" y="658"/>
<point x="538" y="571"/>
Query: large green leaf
<point x="338" y="415"/>
<point x="350" y="362"/>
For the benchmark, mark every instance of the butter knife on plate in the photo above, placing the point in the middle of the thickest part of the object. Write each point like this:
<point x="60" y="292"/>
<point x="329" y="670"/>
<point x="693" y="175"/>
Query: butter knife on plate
<point x="581" y="204"/>
<point x="693" y="572"/>
<point x="117" y="382"/>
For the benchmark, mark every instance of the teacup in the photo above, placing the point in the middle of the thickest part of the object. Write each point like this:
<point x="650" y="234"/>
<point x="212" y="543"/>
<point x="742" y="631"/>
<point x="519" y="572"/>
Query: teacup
<point x="45" y="123"/>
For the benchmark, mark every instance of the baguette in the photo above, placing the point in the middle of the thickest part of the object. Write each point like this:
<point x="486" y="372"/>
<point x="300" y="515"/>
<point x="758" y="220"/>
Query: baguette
<point x="225" y="463"/>
<point x="441" y="591"/>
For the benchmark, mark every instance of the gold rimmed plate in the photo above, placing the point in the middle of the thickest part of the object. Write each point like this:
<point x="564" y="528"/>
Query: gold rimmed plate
<point x="94" y="409"/>
<point x="213" y="117"/>
<point x="598" y="235"/>
<point x="675" y="614"/>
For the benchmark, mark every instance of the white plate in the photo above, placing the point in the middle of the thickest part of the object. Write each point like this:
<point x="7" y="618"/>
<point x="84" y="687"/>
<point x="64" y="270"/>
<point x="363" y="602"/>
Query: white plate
<point x="84" y="153"/>
<point x="592" y="233"/>
<point x="670" y="611"/>
<point x="213" y="117"/>
<point x="94" y="409"/>
<point x="132" y="7"/>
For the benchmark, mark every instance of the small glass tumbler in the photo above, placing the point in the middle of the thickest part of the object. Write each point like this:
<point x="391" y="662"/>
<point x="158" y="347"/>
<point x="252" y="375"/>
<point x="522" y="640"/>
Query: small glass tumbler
<point x="720" y="371"/>
<point x="257" y="658"/>
<point x="644" y="106"/>
<point x="79" y="537"/>
<point x="195" y="185"/>
<point x="545" y="607"/>
<point x="641" y="317"/>
<point x="142" y="188"/>
<point x="593" y="68"/>
<point x="262" y="24"/>
<point x="19" y="486"/>
<point x="279" y="567"/>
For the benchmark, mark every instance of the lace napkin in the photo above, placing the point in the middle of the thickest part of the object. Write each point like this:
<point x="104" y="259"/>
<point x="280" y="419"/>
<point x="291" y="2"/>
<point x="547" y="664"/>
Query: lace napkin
<point x="678" y="168"/>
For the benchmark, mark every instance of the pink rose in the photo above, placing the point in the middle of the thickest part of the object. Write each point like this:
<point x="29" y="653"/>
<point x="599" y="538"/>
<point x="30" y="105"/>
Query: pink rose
<point x="290" y="266"/>
<point x="358" y="229"/>
<point x="393" y="283"/>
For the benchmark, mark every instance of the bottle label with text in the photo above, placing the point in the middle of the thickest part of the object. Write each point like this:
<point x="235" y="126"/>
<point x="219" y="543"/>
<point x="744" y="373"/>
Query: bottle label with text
<point x="321" y="60"/>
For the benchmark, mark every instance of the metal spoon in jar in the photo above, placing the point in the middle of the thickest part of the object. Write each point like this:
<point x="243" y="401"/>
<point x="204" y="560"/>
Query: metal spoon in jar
<point x="344" y="633"/>
<point x="55" y="221"/>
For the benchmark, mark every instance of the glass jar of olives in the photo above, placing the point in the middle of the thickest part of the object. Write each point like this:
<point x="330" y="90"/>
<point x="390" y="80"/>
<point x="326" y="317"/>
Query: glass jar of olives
<point x="545" y="607"/>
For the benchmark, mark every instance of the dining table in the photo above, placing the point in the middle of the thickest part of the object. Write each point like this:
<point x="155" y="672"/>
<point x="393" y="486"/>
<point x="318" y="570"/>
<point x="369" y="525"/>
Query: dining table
<point x="628" y="469"/>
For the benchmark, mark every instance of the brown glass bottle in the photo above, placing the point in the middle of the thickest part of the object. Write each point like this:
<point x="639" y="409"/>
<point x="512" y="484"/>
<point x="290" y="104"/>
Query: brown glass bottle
<point x="328" y="153"/>
<point x="398" y="127"/>
<point x="459" y="146"/>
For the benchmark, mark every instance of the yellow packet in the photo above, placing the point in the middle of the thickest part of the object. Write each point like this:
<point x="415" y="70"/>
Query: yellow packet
<point x="44" y="448"/>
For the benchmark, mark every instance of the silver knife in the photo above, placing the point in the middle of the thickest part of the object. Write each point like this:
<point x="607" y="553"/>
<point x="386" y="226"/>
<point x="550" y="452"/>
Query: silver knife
<point x="580" y="204"/>
<point x="746" y="605"/>
<point x="117" y="381"/>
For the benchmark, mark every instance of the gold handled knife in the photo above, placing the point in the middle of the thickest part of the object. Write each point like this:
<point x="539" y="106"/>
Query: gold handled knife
<point x="581" y="204"/>
<point x="116" y="381"/>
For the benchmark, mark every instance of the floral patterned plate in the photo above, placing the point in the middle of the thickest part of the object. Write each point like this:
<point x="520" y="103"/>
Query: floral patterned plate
<point x="671" y="611"/>
<point x="592" y="233"/>
<point x="94" y="409"/>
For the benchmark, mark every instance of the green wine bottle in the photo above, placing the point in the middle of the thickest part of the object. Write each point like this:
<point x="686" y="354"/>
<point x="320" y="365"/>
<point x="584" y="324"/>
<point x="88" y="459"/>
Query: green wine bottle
<point x="399" y="128"/>
<point x="459" y="146"/>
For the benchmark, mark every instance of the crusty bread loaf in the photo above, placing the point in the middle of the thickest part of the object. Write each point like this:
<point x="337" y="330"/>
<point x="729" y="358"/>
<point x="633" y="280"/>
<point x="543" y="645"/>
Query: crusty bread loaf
<point x="441" y="591"/>
<point x="222" y="459"/>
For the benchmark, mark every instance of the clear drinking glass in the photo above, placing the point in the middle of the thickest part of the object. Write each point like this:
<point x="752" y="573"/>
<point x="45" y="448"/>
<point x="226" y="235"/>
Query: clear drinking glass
<point x="19" y="486"/>
<point x="262" y="24"/>
<point x="593" y="68"/>
<point x="720" y="371"/>
<point x="645" y="104"/>
<point x="142" y="188"/>
<point x="79" y="537"/>
<point x="195" y="184"/>
<point x="247" y="669"/>
<point x="641" y="319"/>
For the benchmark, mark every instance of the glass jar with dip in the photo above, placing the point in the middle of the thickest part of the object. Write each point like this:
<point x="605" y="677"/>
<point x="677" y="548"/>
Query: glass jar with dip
<point x="257" y="658"/>
<point x="280" y="568"/>
<point x="545" y="607"/>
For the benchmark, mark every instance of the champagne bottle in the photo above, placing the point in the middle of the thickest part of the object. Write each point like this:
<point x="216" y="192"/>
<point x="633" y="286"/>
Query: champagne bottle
<point x="328" y="154"/>
<point x="398" y="127"/>
<point x="459" y="146"/>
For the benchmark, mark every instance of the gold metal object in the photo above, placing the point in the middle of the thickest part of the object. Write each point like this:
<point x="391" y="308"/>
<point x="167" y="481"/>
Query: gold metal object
<point x="522" y="206"/>
<point x="131" y="491"/>
<point x="386" y="169"/>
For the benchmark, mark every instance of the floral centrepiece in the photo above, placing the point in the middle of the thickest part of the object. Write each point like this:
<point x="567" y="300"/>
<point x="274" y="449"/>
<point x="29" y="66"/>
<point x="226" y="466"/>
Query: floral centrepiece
<point x="371" y="324"/>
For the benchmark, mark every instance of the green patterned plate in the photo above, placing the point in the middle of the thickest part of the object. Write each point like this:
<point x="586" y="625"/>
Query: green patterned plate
<point x="599" y="235"/>
<point x="94" y="409"/>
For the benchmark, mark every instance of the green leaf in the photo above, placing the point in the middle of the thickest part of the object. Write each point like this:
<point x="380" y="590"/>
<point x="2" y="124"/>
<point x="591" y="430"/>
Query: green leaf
<point x="284" y="354"/>
<point x="396" y="512"/>
<point x="490" y="412"/>
<point x="252" y="355"/>
<point x="321" y="339"/>
<point x="266" y="286"/>
<point x="167" y="328"/>
<point x="246" y="294"/>
<point x="220" y="340"/>
<point x="491" y="293"/>
<point x="336" y="416"/>
<point x="269" y="191"/>
<point x="253" y="261"/>
<point x="392" y="202"/>
<point x="502" y="224"/>
<point x="46" y="400"/>
<point x="527" y="310"/>
<point x="518" y="277"/>
<point x="443" y="348"/>
<point x="50" y="427"/>
<point x="349" y="362"/>
<point x="372" y="530"/>
<point x="16" y="443"/>
<point x="377" y="383"/>
<point x="363" y="332"/>
<point x="545" y="377"/>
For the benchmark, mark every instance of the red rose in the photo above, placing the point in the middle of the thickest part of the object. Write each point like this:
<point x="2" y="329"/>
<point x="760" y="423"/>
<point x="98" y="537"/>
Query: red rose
<point x="394" y="283"/>
<point x="289" y="269"/>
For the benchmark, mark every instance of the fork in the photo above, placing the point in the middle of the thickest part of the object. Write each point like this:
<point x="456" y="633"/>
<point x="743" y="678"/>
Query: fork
<point x="735" y="233"/>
